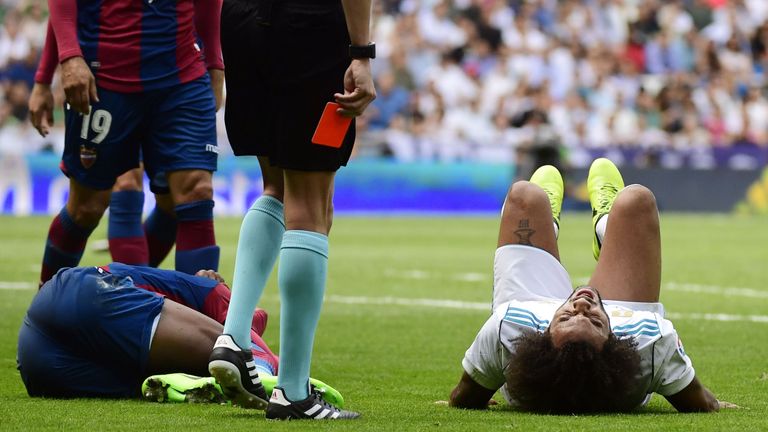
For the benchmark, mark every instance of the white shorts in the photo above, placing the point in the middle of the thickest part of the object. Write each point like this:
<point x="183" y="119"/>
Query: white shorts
<point x="527" y="273"/>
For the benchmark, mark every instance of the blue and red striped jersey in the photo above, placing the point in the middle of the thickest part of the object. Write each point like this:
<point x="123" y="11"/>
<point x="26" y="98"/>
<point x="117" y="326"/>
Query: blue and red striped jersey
<point x="139" y="45"/>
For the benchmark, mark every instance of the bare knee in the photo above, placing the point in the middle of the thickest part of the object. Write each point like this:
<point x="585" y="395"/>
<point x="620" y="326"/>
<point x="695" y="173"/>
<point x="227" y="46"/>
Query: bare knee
<point x="129" y="181"/>
<point x="636" y="201"/>
<point x="88" y="213"/>
<point x="524" y="195"/>
<point x="190" y="186"/>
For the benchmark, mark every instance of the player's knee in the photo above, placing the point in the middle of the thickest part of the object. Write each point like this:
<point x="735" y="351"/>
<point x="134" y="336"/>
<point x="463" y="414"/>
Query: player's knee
<point x="127" y="183"/>
<point x="525" y="195"/>
<point x="195" y="186"/>
<point x="636" y="200"/>
<point x="87" y="214"/>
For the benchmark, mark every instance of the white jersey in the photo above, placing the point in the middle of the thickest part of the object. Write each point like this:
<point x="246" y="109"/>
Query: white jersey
<point x="665" y="368"/>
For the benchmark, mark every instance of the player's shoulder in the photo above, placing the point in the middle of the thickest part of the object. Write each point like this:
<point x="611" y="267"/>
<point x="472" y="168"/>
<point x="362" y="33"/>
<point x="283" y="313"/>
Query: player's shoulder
<point x="626" y="322"/>
<point x="531" y="314"/>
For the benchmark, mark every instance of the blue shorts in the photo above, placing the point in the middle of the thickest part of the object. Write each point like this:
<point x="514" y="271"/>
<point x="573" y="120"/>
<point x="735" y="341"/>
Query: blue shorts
<point x="87" y="333"/>
<point x="174" y="128"/>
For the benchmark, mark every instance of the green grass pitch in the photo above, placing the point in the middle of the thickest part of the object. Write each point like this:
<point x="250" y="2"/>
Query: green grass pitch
<point x="394" y="357"/>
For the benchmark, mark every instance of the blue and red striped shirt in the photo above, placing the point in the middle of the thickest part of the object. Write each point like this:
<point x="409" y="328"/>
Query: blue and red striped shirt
<point x="139" y="45"/>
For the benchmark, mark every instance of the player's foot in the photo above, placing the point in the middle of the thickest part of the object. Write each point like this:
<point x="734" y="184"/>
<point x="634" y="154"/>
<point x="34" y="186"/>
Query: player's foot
<point x="328" y="393"/>
<point x="604" y="183"/>
<point x="235" y="370"/>
<point x="313" y="407"/>
<point x="179" y="387"/>
<point x="549" y="179"/>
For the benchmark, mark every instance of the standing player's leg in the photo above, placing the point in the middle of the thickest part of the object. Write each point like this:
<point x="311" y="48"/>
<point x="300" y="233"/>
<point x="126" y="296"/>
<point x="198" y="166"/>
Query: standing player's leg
<point x="160" y="229"/>
<point x="261" y="235"/>
<point x="71" y="228"/>
<point x="96" y="151"/>
<point x="182" y="149"/>
<point x="127" y="243"/>
<point x="192" y="193"/>
<point x="629" y="263"/>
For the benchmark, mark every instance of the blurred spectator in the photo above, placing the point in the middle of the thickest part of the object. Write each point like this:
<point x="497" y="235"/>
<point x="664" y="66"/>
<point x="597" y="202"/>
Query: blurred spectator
<point x="391" y="100"/>
<point x="456" y="76"/>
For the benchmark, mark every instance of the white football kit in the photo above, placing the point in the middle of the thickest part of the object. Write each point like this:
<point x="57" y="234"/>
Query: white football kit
<point x="529" y="286"/>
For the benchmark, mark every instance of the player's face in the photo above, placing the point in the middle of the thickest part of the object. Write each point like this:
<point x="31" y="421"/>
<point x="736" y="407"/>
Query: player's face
<point x="581" y="319"/>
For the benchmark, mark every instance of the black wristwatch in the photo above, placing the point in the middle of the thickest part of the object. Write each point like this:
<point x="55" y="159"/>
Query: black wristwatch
<point x="361" y="52"/>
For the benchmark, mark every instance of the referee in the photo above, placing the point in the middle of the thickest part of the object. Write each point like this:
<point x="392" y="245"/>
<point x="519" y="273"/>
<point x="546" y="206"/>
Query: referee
<point x="285" y="60"/>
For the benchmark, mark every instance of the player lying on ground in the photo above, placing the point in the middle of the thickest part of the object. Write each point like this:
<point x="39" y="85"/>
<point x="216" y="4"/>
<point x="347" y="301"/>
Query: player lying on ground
<point x="603" y="347"/>
<point x="99" y="331"/>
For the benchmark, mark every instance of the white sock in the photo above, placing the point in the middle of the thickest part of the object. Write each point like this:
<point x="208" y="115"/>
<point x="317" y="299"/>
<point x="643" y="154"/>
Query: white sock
<point x="557" y="230"/>
<point x="602" y="223"/>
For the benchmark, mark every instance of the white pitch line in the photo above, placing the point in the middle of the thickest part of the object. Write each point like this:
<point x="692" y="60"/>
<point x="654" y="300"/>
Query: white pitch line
<point x="399" y="301"/>
<point x="714" y="289"/>
<point x="718" y="317"/>
<point x="464" y="305"/>
<point x="667" y="286"/>
<point x="7" y="285"/>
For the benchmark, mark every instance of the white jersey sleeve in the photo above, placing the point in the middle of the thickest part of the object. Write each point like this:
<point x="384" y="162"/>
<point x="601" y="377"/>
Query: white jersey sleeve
<point x="485" y="359"/>
<point x="675" y="370"/>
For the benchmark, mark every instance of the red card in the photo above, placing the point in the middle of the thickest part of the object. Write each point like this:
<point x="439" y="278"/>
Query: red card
<point x="332" y="127"/>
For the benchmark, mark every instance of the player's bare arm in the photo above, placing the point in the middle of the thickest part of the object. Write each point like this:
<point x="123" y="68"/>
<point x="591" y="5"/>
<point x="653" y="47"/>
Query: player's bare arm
<point x="41" y="108"/>
<point x="469" y="394"/>
<point x="76" y="78"/>
<point x="41" y="99"/>
<point x="217" y="85"/>
<point x="694" y="398"/>
<point x="359" y="90"/>
<point x="208" y="27"/>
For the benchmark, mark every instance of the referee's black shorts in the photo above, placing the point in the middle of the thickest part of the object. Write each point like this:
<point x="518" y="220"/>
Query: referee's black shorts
<point x="284" y="61"/>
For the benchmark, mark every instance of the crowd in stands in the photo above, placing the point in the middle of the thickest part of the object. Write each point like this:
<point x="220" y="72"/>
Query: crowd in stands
<point x="487" y="79"/>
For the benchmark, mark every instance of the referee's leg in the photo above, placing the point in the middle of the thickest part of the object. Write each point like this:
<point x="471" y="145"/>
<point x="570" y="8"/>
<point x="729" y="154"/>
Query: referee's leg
<point x="302" y="273"/>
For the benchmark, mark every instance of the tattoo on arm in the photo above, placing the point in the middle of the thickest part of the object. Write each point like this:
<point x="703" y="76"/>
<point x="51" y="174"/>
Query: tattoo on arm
<point x="524" y="232"/>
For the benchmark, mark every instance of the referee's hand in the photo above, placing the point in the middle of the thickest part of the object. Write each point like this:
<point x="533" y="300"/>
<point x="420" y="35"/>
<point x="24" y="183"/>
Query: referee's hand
<point x="358" y="89"/>
<point x="79" y="84"/>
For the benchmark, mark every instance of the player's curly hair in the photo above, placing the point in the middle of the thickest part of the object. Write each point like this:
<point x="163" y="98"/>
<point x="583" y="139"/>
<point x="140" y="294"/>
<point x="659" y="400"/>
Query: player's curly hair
<point x="575" y="378"/>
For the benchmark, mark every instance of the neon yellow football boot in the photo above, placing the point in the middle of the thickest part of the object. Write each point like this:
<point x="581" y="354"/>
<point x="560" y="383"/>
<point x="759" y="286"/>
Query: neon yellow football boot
<point x="549" y="179"/>
<point x="604" y="183"/>
<point x="181" y="387"/>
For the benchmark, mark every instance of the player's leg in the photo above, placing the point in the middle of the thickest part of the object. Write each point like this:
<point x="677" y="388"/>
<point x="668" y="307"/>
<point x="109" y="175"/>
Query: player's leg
<point x="526" y="263"/>
<point x="127" y="242"/>
<point x="182" y="147"/>
<point x="160" y="229"/>
<point x="192" y="193"/>
<point x="526" y="218"/>
<point x="629" y="267"/>
<point x="182" y="330"/>
<point x="96" y="151"/>
<point x="71" y="228"/>
<point x="261" y="235"/>
<point x="627" y="237"/>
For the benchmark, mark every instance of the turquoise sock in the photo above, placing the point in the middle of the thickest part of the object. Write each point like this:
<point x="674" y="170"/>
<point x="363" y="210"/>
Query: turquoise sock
<point x="260" y="236"/>
<point x="301" y="277"/>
